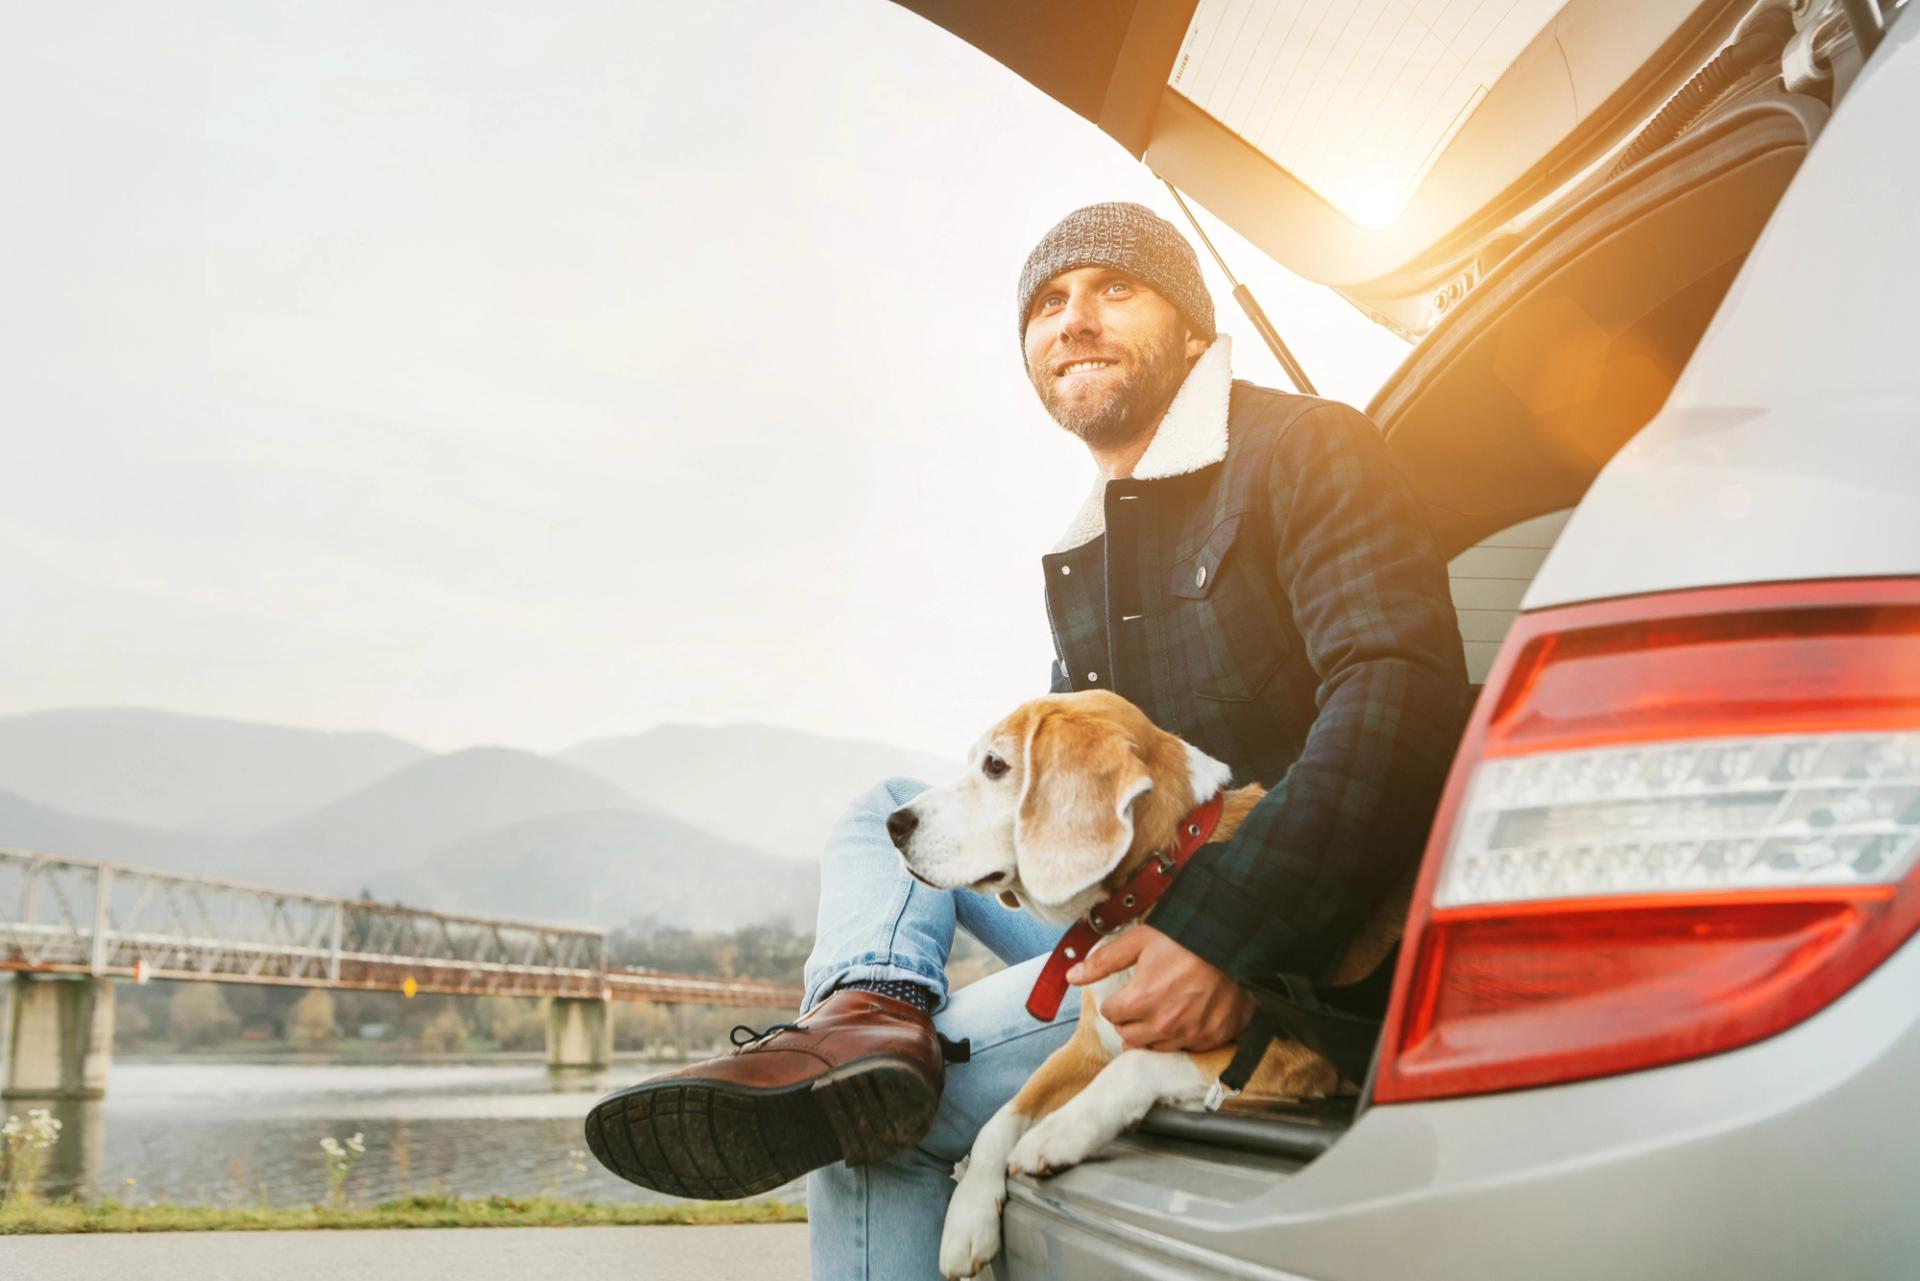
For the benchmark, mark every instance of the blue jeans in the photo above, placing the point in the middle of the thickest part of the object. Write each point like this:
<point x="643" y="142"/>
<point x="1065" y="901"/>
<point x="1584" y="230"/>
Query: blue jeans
<point x="882" y="1222"/>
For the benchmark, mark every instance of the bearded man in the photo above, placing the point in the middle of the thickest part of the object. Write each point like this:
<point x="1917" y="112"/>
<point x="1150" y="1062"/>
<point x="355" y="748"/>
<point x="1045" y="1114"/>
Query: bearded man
<point x="1254" y="573"/>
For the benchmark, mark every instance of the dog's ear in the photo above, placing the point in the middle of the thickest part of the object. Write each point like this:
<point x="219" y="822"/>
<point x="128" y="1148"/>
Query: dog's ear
<point x="1075" y="821"/>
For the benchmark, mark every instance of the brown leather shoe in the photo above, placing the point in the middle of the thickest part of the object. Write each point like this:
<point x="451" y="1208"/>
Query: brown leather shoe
<point x="856" y="1079"/>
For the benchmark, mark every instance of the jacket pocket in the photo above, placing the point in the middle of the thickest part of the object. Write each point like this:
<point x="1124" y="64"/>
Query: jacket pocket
<point x="1224" y="621"/>
<point x="1196" y="574"/>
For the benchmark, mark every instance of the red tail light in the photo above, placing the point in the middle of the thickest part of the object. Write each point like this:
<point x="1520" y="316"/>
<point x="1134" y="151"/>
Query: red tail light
<point x="1676" y="825"/>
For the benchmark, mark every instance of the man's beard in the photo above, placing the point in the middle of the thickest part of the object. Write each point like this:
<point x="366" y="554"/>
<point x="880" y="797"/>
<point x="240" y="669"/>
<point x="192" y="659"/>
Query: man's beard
<point x="1155" y="373"/>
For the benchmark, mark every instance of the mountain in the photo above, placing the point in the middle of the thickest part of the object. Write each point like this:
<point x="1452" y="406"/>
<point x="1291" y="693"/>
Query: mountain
<point x="777" y="789"/>
<point x="418" y="810"/>
<point x="27" y="825"/>
<point x="189" y="773"/>
<point x="607" y="867"/>
<point x="707" y="828"/>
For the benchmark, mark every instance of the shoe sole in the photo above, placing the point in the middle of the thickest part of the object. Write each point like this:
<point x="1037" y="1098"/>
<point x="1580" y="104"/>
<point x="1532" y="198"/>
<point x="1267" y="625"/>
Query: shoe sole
<point x="714" y="1141"/>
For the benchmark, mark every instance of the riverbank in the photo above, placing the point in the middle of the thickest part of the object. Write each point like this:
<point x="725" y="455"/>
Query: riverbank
<point x="381" y="1054"/>
<point x="109" y="1215"/>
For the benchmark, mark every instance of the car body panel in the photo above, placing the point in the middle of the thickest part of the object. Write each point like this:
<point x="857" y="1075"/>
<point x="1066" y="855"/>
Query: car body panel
<point x="1785" y="1159"/>
<point x="1790" y="447"/>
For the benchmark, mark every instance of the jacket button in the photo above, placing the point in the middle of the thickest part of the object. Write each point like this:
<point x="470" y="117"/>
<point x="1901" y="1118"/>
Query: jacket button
<point x="1066" y="569"/>
<point x="1093" y="678"/>
<point x="1200" y="576"/>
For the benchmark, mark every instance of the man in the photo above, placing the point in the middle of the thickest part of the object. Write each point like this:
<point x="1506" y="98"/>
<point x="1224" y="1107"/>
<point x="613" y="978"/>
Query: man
<point x="1254" y="573"/>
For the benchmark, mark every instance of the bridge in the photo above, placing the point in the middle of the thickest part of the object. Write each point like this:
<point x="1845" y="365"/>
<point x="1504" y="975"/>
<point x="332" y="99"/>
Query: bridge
<point x="70" y="928"/>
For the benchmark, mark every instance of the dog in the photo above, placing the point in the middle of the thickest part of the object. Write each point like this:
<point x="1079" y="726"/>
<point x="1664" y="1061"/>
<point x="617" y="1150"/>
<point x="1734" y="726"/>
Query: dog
<point x="1064" y="802"/>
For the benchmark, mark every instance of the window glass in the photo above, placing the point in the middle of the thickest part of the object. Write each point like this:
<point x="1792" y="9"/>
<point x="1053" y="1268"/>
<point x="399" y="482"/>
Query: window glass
<point x="1355" y="98"/>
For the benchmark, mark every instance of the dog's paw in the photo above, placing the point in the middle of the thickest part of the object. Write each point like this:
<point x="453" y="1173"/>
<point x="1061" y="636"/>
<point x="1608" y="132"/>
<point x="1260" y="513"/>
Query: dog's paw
<point x="971" y="1236"/>
<point x="1060" y="1142"/>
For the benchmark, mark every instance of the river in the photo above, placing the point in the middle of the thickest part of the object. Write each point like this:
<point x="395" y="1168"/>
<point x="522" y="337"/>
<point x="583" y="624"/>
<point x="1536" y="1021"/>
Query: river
<point x="245" y="1131"/>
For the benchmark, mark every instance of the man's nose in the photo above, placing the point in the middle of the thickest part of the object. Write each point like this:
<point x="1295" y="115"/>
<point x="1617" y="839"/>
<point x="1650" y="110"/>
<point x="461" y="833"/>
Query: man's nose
<point x="900" y="825"/>
<point x="1079" y="317"/>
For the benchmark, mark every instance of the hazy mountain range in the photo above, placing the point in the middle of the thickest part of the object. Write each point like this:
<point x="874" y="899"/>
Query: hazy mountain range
<point x="709" y="828"/>
<point x="778" y="789"/>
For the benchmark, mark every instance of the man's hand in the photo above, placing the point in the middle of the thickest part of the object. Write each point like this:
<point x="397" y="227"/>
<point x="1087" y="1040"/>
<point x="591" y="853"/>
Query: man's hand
<point x="1174" y="1001"/>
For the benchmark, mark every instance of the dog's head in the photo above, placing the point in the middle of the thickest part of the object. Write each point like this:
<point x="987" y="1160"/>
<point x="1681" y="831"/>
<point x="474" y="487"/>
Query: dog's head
<point x="1058" y="798"/>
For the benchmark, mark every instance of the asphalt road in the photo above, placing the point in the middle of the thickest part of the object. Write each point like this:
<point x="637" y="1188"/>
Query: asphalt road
<point x="761" y="1252"/>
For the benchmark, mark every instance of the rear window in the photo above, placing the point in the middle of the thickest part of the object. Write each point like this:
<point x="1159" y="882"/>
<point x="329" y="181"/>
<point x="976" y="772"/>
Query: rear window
<point x="1357" y="99"/>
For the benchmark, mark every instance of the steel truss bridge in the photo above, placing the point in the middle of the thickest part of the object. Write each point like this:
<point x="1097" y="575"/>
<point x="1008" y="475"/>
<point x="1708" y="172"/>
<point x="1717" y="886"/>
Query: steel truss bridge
<point x="79" y="916"/>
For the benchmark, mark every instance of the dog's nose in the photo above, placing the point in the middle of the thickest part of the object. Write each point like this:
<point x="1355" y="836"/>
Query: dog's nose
<point x="900" y="825"/>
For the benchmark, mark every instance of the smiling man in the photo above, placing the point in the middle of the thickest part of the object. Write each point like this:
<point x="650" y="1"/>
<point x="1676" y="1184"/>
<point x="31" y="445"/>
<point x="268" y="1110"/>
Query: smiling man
<point x="1253" y="572"/>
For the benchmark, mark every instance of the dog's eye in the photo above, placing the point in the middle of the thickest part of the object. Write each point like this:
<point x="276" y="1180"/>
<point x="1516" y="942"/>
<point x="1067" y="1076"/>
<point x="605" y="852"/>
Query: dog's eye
<point x="993" y="766"/>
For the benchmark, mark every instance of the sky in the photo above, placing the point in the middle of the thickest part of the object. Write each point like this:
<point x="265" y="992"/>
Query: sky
<point x="490" y="373"/>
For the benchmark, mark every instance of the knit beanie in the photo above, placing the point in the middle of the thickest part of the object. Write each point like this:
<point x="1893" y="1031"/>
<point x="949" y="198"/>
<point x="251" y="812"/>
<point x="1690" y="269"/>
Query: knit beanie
<point x="1127" y="237"/>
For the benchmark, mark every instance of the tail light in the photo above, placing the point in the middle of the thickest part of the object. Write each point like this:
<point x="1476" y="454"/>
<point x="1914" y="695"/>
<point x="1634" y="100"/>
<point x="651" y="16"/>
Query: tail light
<point x="1676" y="825"/>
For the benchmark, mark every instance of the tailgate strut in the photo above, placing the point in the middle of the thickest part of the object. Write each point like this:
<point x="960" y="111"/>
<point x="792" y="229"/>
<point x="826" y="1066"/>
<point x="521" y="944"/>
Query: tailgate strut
<point x="1244" y="296"/>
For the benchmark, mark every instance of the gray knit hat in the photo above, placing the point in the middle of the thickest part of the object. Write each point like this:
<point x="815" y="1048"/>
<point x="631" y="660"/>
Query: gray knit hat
<point x="1127" y="237"/>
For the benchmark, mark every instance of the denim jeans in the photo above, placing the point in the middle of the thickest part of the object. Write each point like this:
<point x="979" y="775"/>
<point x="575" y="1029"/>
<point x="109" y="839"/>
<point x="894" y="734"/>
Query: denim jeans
<point x="882" y="1222"/>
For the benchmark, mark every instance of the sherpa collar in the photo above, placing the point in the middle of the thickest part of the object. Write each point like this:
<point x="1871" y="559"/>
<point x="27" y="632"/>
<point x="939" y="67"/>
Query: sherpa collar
<point x="1192" y="434"/>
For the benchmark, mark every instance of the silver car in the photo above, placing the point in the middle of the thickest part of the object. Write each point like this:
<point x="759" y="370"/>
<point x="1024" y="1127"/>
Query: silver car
<point x="1657" y="1011"/>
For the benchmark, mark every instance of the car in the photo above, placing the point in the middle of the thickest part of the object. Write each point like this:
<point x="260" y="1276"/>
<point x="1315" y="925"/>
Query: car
<point x="1657" y="1009"/>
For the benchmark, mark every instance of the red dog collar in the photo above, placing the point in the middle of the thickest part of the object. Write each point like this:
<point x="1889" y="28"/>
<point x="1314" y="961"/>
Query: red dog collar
<point x="1125" y="906"/>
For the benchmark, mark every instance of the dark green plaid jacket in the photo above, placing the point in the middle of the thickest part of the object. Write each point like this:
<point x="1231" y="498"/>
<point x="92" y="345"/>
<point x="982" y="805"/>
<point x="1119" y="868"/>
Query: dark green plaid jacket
<point x="1286" y="611"/>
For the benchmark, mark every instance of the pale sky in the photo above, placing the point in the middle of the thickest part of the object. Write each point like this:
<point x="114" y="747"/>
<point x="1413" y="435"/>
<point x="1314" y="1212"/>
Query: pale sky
<point x="498" y="373"/>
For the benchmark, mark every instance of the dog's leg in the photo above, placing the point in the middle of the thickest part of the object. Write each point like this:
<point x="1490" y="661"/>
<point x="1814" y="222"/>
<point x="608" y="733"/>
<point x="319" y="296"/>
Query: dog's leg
<point x="1116" y="1100"/>
<point x="972" y="1233"/>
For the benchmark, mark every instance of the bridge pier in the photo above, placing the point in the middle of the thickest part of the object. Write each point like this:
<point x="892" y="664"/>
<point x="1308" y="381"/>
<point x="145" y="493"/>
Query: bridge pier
<point x="59" y="1038"/>
<point x="579" y="1032"/>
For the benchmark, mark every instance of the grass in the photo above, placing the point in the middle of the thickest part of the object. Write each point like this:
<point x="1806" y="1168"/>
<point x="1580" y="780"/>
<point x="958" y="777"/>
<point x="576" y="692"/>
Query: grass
<point x="108" y="1215"/>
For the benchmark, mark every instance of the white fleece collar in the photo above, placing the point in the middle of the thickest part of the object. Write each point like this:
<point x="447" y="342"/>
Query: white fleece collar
<point x="1192" y="434"/>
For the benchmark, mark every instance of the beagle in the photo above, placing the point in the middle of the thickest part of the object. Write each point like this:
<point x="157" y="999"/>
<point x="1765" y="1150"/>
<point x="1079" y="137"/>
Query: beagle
<point x="1065" y="802"/>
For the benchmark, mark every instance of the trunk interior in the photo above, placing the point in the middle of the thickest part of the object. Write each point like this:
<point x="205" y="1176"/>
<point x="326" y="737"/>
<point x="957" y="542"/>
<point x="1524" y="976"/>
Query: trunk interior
<point x="1565" y="346"/>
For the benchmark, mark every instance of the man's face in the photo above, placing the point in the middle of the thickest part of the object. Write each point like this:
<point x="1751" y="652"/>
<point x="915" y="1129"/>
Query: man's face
<point x="1106" y="353"/>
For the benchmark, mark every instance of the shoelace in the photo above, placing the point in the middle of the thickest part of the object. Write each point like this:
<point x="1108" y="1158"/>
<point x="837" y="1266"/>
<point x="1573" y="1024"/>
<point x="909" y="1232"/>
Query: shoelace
<point x="742" y="1036"/>
<point x="753" y="1035"/>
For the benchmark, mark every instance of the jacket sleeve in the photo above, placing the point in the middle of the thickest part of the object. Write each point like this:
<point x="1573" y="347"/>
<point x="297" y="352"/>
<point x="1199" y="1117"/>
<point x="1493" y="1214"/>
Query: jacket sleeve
<point x="1368" y="592"/>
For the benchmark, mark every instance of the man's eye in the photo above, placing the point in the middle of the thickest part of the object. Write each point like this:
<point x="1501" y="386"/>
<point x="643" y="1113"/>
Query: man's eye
<point x="993" y="766"/>
<point x="1121" y="285"/>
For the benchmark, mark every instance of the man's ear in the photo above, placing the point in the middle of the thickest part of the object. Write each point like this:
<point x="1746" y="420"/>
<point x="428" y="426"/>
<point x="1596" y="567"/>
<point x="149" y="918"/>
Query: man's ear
<point x="1075" y="821"/>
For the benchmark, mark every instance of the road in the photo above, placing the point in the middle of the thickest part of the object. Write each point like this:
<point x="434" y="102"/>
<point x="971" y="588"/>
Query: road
<point x="762" y="1252"/>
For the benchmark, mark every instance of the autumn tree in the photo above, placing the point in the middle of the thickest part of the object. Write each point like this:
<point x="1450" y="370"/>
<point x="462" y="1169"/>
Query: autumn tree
<point x="511" y="1023"/>
<point x="311" y="1021"/>
<point x="198" y="1014"/>
<point x="445" y="1032"/>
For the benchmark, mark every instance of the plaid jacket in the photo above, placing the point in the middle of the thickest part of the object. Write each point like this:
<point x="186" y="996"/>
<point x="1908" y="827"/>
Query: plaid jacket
<point x="1266" y="586"/>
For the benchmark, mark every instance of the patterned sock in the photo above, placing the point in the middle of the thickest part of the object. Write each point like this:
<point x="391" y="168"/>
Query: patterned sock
<point x="899" y="990"/>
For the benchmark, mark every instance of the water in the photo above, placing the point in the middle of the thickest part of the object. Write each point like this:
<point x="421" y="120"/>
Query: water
<point x="226" y="1132"/>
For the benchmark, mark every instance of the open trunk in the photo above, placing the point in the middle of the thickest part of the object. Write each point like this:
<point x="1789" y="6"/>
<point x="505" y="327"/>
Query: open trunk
<point x="1502" y="416"/>
<point x="1556" y="252"/>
